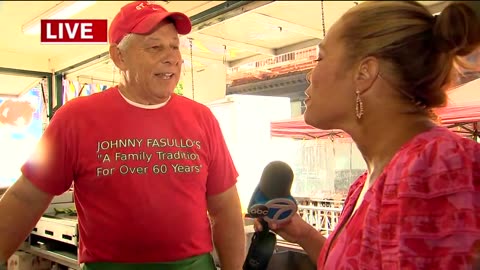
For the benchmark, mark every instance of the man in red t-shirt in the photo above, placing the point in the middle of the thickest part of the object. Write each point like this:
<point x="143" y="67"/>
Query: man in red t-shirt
<point x="147" y="165"/>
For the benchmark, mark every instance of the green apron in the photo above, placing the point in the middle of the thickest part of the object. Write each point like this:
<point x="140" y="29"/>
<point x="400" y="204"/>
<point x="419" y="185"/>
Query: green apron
<point x="201" y="262"/>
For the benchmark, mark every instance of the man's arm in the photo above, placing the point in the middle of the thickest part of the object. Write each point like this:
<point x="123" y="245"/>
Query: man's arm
<point x="228" y="230"/>
<point x="20" y="209"/>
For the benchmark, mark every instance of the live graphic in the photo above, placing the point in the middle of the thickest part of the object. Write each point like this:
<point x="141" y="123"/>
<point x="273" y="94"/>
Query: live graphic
<point x="73" y="31"/>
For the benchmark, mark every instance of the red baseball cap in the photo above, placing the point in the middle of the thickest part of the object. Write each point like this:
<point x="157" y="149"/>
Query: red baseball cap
<point x="141" y="17"/>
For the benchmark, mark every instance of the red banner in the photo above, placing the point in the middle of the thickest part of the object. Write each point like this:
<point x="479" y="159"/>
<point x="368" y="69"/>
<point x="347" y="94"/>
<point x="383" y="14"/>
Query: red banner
<point x="73" y="31"/>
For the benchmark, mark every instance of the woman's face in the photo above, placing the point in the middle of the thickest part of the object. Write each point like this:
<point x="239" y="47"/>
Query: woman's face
<point x="330" y="102"/>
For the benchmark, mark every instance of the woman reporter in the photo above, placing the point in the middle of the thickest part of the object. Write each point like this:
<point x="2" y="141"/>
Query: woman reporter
<point x="382" y="69"/>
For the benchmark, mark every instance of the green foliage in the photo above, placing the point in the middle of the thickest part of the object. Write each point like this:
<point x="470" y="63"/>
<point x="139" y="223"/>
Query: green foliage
<point x="179" y="89"/>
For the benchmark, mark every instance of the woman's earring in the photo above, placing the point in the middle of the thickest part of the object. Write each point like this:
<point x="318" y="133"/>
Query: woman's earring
<point x="358" y="105"/>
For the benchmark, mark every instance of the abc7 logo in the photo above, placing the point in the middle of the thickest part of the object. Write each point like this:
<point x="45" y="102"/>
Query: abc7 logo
<point x="258" y="210"/>
<point x="280" y="210"/>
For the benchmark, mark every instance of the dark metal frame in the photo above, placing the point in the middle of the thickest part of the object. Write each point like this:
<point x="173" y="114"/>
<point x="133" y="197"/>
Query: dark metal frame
<point x="34" y="74"/>
<point x="209" y="17"/>
<point x="473" y="132"/>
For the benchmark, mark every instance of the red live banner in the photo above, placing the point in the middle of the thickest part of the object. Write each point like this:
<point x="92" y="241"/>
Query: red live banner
<point x="73" y="31"/>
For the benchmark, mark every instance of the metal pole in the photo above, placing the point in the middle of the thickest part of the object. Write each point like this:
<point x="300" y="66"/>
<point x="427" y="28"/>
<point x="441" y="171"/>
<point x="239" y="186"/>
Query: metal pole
<point x="58" y="93"/>
<point x="50" y="98"/>
<point x="27" y="73"/>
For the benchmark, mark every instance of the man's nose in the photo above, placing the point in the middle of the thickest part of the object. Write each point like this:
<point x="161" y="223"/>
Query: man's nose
<point x="173" y="58"/>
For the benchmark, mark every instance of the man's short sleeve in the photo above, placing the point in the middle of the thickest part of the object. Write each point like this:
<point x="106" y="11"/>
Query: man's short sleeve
<point x="222" y="173"/>
<point x="51" y="165"/>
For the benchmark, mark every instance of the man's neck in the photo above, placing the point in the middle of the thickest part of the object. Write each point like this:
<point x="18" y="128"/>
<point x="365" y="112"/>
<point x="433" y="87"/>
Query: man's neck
<point x="133" y="95"/>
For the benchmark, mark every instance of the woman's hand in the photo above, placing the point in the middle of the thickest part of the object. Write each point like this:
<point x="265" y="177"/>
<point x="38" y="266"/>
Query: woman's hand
<point x="292" y="231"/>
<point x="298" y="231"/>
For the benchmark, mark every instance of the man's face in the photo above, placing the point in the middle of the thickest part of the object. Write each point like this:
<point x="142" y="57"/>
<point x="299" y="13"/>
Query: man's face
<point x="152" y="63"/>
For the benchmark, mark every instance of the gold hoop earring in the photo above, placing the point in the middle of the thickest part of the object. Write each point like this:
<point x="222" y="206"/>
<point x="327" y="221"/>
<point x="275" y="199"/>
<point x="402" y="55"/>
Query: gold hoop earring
<point x="358" y="105"/>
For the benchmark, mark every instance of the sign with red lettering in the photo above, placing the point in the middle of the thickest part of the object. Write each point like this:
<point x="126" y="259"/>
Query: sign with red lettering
<point x="73" y="31"/>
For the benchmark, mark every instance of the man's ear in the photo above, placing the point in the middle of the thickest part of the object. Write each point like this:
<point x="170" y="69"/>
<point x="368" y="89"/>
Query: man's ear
<point x="366" y="74"/>
<point x="117" y="57"/>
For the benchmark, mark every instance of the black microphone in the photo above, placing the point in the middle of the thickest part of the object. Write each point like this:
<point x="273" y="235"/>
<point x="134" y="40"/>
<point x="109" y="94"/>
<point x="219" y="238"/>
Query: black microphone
<point x="271" y="201"/>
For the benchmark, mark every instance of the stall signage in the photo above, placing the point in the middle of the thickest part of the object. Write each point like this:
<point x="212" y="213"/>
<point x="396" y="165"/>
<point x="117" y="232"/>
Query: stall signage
<point x="74" y="31"/>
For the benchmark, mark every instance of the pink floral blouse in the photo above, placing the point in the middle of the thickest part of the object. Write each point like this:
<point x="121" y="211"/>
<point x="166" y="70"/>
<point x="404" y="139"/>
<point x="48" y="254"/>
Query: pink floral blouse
<point x="423" y="212"/>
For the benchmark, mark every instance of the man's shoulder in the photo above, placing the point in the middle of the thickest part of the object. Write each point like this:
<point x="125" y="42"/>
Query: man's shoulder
<point x="191" y="102"/>
<point x="193" y="105"/>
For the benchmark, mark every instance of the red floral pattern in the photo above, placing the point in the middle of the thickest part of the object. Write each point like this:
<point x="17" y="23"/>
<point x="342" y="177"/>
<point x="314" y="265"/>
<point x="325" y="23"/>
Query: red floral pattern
<point x="423" y="212"/>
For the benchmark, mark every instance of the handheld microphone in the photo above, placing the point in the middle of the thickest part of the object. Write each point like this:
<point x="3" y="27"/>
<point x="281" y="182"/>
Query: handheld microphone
<point x="271" y="201"/>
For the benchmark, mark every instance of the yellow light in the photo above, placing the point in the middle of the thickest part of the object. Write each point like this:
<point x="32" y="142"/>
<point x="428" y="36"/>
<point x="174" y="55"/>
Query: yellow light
<point x="63" y="10"/>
